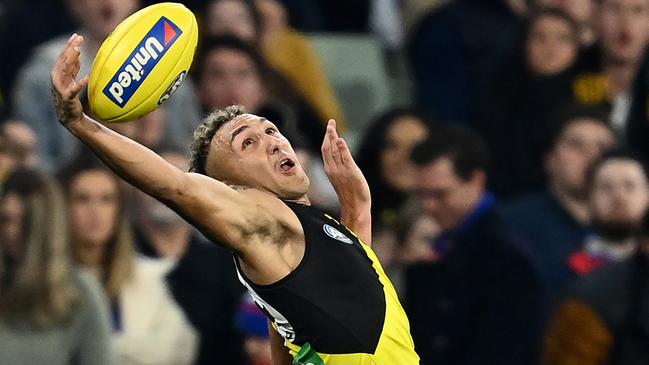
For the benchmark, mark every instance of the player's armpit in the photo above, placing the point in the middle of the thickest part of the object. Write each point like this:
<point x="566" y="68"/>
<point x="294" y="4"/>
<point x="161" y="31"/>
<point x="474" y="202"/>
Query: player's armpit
<point x="222" y="213"/>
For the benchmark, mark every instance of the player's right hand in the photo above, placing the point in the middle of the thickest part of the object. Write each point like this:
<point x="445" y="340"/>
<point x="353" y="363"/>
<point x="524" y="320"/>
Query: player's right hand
<point x="65" y="87"/>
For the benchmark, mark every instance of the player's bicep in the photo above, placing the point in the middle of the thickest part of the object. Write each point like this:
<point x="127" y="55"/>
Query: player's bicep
<point x="218" y="211"/>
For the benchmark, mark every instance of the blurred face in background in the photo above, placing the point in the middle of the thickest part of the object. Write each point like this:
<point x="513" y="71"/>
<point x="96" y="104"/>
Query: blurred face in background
<point x="619" y="198"/>
<point x="231" y="77"/>
<point x="94" y="207"/>
<point x="552" y="45"/>
<point x="582" y="142"/>
<point x="21" y="141"/>
<point x="445" y="196"/>
<point x="623" y="27"/>
<point x="100" y="17"/>
<point x="232" y="17"/>
<point x="12" y="211"/>
<point x="7" y="158"/>
<point x="150" y="129"/>
<point x="580" y="10"/>
<point x="401" y="137"/>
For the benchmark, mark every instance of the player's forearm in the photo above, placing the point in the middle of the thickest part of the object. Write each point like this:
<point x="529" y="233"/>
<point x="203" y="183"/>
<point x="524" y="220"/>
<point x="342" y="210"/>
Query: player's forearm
<point x="130" y="160"/>
<point x="358" y="218"/>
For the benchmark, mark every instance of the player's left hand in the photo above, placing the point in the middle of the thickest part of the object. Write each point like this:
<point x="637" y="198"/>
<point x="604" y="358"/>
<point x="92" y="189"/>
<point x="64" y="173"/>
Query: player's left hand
<point x="65" y="87"/>
<point x="345" y="176"/>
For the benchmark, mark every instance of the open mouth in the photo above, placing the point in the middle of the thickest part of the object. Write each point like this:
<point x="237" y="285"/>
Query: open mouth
<point x="286" y="165"/>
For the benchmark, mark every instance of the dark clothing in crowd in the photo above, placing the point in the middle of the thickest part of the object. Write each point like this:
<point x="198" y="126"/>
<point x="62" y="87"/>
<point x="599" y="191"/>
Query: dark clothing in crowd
<point x="589" y="86"/>
<point x="609" y="317"/>
<point x="637" y="130"/>
<point x="548" y="233"/>
<point x="480" y="303"/>
<point x="205" y="285"/>
<point x="24" y="24"/>
<point x="514" y="117"/>
<point x="455" y="49"/>
<point x="328" y="15"/>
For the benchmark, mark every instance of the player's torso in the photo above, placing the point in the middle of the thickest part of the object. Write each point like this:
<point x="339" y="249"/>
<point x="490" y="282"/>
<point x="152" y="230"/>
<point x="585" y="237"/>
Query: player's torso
<point x="337" y="300"/>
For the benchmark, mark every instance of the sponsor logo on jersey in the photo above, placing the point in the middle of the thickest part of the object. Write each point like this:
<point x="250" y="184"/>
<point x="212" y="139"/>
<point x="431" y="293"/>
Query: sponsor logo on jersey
<point x="141" y="62"/>
<point x="336" y="234"/>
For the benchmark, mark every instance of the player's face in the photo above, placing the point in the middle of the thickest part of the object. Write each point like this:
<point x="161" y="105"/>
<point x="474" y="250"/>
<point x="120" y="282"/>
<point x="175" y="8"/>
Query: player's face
<point x="624" y="28"/>
<point x="620" y="193"/>
<point x="94" y="206"/>
<point x="250" y="151"/>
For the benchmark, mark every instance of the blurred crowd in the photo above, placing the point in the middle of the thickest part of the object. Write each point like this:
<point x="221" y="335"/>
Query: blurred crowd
<point x="505" y="143"/>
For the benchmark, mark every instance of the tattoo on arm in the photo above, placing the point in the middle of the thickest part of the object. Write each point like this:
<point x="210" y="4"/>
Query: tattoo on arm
<point x="63" y="113"/>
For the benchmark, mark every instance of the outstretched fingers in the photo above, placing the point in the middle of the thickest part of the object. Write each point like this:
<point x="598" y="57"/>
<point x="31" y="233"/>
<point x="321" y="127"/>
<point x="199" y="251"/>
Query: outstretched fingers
<point x="67" y="67"/>
<point x="333" y="138"/>
<point x="329" y="147"/>
<point x="345" y="153"/>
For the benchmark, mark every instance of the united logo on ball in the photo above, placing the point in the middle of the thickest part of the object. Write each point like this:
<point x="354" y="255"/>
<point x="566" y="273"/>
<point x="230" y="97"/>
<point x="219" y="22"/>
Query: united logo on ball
<point x="143" y="62"/>
<point x="140" y="63"/>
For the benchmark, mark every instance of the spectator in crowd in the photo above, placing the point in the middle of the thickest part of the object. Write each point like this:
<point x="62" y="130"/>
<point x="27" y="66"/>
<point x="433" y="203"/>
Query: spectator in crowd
<point x="553" y="223"/>
<point x="613" y="71"/>
<point x="25" y="24"/>
<point x="254" y="326"/>
<point x="231" y="71"/>
<point x="202" y="280"/>
<point x="619" y="196"/>
<point x="31" y="101"/>
<point x="50" y="314"/>
<point x="603" y="318"/>
<point x="383" y="157"/>
<point x="454" y="49"/>
<point x="517" y="105"/>
<point x="583" y="13"/>
<point x="7" y="159"/>
<point x="239" y="18"/>
<point x="413" y="233"/>
<point x="479" y="302"/>
<point x="264" y="23"/>
<point x="17" y="147"/>
<point x="329" y="15"/>
<point x="148" y="325"/>
<point x="21" y="141"/>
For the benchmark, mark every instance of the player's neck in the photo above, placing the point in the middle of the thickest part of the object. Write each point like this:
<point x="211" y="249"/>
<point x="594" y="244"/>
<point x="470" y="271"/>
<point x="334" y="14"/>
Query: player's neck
<point x="303" y="200"/>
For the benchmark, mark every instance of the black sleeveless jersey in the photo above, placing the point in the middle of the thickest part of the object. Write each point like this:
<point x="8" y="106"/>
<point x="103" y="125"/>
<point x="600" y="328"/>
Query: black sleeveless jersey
<point x="337" y="300"/>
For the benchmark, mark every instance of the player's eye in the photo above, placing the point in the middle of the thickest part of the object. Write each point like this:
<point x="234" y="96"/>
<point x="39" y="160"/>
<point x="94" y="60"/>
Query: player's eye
<point x="271" y="131"/>
<point x="246" y="143"/>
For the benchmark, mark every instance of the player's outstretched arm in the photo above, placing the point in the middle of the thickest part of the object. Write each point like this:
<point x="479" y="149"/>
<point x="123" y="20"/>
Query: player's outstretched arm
<point x="219" y="211"/>
<point x="349" y="183"/>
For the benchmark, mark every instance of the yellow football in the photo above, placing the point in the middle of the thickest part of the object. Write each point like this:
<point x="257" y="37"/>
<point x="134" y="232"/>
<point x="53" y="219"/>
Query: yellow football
<point x="142" y="62"/>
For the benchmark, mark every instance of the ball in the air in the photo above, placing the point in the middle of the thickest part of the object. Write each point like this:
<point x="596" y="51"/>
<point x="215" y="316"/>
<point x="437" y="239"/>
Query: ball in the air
<point x="142" y="62"/>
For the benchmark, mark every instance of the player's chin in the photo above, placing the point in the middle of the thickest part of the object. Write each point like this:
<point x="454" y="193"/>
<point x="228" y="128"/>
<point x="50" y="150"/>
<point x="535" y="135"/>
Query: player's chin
<point x="296" y="188"/>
